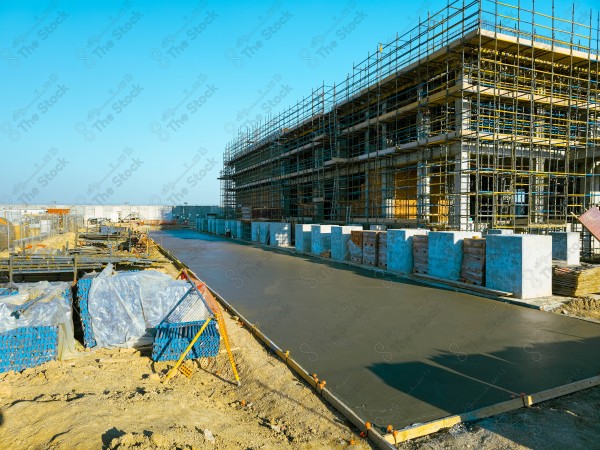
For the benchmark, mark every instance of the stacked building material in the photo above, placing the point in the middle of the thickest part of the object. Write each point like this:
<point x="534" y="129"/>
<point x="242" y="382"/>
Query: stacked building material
<point x="83" y="292"/>
<point x="355" y="246"/>
<point x="576" y="281"/>
<point x="26" y="347"/>
<point x="421" y="253"/>
<point x="36" y="325"/>
<point x="172" y="339"/>
<point x="472" y="269"/>
<point x="382" y="250"/>
<point x="370" y="248"/>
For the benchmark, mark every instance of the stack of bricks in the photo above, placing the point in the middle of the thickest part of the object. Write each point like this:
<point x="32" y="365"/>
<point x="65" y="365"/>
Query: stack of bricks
<point x="421" y="253"/>
<point x="355" y="246"/>
<point x="370" y="248"/>
<point x="472" y="268"/>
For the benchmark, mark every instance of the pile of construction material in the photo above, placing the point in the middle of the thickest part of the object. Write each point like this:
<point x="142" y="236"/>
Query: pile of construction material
<point x="36" y="324"/>
<point x="472" y="269"/>
<point x="576" y="281"/>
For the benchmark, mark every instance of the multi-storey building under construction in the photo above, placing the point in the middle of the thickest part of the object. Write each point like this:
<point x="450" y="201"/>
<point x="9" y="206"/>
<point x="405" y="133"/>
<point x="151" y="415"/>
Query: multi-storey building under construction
<point x="484" y="115"/>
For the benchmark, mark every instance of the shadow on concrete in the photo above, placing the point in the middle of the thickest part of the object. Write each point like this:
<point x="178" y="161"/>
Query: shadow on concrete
<point x="458" y="383"/>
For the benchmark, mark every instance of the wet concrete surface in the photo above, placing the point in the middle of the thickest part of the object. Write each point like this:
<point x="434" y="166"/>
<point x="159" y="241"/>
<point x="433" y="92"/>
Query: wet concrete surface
<point x="395" y="351"/>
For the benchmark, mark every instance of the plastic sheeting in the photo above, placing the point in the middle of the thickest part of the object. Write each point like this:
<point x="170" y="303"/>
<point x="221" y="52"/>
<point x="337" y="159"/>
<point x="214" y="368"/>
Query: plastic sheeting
<point x="41" y="304"/>
<point x="124" y="305"/>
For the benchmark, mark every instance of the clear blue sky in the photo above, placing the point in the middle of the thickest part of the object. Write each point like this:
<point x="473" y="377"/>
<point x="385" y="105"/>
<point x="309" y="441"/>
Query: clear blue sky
<point x="133" y="101"/>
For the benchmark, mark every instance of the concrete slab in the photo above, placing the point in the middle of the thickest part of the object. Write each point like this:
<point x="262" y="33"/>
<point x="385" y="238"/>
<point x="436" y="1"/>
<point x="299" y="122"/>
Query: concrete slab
<point x="521" y="264"/>
<point x="566" y="246"/>
<point x="320" y="240"/>
<point x="445" y="253"/>
<point x="279" y="234"/>
<point x="400" y="249"/>
<point x="339" y="242"/>
<point x="395" y="351"/>
<point x="303" y="236"/>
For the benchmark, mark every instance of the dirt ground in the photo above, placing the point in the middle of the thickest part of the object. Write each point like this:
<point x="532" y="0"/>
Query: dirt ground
<point x="114" y="399"/>
<point x="584" y="308"/>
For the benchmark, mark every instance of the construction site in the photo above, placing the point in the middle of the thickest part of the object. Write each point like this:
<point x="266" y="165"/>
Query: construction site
<point x="407" y="259"/>
<point x="484" y="115"/>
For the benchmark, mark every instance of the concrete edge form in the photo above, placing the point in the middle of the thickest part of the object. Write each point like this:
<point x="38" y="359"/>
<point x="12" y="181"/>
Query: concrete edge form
<point x="520" y="402"/>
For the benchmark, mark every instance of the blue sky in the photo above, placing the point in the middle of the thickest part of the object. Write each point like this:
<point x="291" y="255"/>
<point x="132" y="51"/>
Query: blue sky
<point x="109" y="102"/>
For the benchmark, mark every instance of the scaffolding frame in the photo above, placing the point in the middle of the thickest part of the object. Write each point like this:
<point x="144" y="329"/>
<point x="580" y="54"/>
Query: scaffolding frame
<point x="484" y="115"/>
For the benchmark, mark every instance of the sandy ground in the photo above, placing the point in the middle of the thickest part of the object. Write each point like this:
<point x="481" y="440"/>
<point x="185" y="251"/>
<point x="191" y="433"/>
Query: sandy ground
<point x="114" y="399"/>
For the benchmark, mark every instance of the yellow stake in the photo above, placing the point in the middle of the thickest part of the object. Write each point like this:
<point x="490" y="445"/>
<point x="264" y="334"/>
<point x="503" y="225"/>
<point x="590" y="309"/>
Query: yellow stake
<point x="186" y="351"/>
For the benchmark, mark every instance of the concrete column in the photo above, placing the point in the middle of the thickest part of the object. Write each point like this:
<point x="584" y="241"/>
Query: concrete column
<point x="303" y="238"/>
<point x="423" y="191"/>
<point x="320" y="240"/>
<point x="400" y="249"/>
<point x="521" y="264"/>
<point x="463" y="114"/>
<point x="459" y="216"/>
<point x="446" y="253"/>
<point x="279" y="234"/>
<point x="339" y="242"/>
<point x="537" y="201"/>
<point x="566" y="247"/>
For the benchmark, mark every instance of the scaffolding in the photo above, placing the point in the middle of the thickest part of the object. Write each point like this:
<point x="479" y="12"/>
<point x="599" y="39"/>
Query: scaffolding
<point x="484" y="115"/>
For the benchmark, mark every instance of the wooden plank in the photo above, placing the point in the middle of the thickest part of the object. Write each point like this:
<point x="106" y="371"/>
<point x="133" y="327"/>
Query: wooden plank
<point x="488" y="411"/>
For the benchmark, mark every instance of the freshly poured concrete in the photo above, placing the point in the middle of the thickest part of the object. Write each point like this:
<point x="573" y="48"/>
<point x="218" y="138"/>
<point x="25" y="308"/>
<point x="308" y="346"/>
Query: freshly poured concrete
<point x="394" y="351"/>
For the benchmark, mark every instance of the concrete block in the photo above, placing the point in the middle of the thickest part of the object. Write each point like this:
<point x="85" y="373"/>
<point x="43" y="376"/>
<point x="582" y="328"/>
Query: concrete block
<point x="378" y="227"/>
<point x="502" y="231"/>
<point x="446" y="251"/>
<point x="303" y="236"/>
<point x="339" y="242"/>
<point x="320" y="240"/>
<point x="279" y="234"/>
<point x="264" y="232"/>
<point x="231" y="226"/>
<point x="255" y="232"/>
<point x="521" y="264"/>
<point x="220" y="227"/>
<point x="566" y="246"/>
<point x="400" y="249"/>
